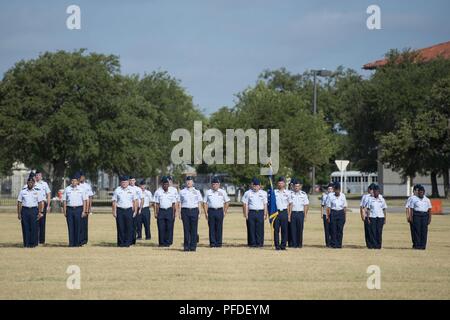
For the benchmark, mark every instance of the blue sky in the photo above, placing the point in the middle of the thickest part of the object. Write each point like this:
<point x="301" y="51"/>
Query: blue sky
<point x="217" y="48"/>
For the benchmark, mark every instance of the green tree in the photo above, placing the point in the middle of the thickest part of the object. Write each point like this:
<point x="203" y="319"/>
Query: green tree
<point x="69" y="110"/>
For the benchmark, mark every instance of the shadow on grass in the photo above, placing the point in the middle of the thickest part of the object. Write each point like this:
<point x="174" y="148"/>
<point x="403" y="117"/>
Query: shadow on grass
<point x="11" y="245"/>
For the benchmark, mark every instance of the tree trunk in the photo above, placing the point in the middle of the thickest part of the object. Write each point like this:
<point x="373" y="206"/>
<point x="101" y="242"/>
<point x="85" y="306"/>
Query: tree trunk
<point x="434" y="185"/>
<point x="446" y="177"/>
<point x="57" y="176"/>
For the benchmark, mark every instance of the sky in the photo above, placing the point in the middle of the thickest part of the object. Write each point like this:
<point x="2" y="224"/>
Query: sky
<point x="217" y="48"/>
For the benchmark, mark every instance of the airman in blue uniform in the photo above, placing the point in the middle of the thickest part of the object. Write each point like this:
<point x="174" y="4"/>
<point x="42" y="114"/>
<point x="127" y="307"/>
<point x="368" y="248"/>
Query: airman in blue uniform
<point x="190" y="200"/>
<point x="299" y="205"/>
<point x="255" y="212"/>
<point x="215" y="206"/>
<point x="326" y="224"/>
<point x="44" y="188"/>
<point x="85" y="219"/>
<point x="137" y="217"/>
<point x="283" y="199"/>
<point x="74" y="204"/>
<point x="420" y="215"/>
<point x="336" y="215"/>
<point x="376" y="216"/>
<point x="165" y="212"/>
<point x="365" y="216"/>
<point x="30" y="203"/>
<point x="124" y="209"/>
<point x="409" y="214"/>
<point x="145" y="213"/>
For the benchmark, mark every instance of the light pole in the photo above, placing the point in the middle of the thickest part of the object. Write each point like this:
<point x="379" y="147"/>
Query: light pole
<point x="320" y="73"/>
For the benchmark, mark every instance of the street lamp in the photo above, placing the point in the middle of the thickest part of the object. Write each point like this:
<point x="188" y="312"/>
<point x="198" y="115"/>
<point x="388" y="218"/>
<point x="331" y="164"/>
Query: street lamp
<point x="316" y="73"/>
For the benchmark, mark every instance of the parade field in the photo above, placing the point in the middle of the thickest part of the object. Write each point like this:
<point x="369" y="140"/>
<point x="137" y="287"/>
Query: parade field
<point x="232" y="272"/>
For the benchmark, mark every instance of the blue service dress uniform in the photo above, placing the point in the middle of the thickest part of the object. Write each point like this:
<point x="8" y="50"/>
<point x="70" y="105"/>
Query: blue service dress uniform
<point x="74" y="197"/>
<point x="326" y="224"/>
<point x="283" y="199"/>
<point x="85" y="220"/>
<point x="30" y="200"/>
<point x="145" y="214"/>
<point x="256" y="202"/>
<point x="421" y="218"/>
<point x="137" y="219"/>
<point x="124" y="198"/>
<point x="165" y="216"/>
<point x="299" y="201"/>
<point x="190" y="198"/>
<point x="44" y="188"/>
<point x="363" y="206"/>
<point x="376" y="219"/>
<point x="216" y="201"/>
<point x="337" y="218"/>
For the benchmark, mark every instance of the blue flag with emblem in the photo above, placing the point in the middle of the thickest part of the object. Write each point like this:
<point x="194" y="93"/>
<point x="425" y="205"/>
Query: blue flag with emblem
<point x="271" y="202"/>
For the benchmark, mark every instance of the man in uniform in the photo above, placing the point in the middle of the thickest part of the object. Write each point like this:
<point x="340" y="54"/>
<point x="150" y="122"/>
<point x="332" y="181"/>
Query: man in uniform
<point x="124" y="209"/>
<point x="336" y="215"/>
<point x="299" y="205"/>
<point x="165" y="211"/>
<point x="215" y="206"/>
<point x="365" y="216"/>
<point x="376" y="207"/>
<point x="190" y="200"/>
<point x="326" y="224"/>
<point x="409" y="214"/>
<point x="175" y="193"/>
<point x="74" y="208"/>
<point x="30" y="203"/>
<point x="43" y="186"/>
<point x="137" y="217"/>
<point x="283" y="199"/>
<point x="85" y="219"/>
<point x="420" y="215"/>
<point x="255" y="212"/>
<point x="145" y="218"/>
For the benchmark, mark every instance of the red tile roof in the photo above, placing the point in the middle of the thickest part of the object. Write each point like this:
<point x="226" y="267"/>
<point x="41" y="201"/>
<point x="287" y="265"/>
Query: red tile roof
<point x="441" y="49"/>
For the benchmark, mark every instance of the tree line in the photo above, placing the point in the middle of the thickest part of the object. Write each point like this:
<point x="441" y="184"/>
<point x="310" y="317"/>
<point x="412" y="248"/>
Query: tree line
<point x="69" y="110"/>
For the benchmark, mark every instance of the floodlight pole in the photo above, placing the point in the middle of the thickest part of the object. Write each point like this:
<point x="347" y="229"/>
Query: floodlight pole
<point x="321" y="73"/>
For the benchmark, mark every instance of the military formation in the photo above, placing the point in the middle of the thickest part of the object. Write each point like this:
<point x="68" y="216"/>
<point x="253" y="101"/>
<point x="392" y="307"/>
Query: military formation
<point x="133" y="203"/>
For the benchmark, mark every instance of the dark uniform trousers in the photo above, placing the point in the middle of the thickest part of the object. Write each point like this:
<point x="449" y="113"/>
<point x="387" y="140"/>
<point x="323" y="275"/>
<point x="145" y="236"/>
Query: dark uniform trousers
<point x="337" y="221"/>
<point x="420" y="229"/>
<point x="215" y="223"/>
<point x="281" y="222"/>
<point x="297" y="223"/>
<point x="30" y="225"/>
<point x="165" y="223"/>
<point x="190" y="226"/>
<point x="144" y="219"/>
<point x="73" y="217"/>
<point x="290" y="240"/>
<point x="41" y="222"/>
<point x="367" y="237"/>
<point x="248" y="232"/>
<point x="326" y="229"/>
<point x="124" y="222"/>
<point x="135" y="224"/>
<point x="84" y="229"/>
<point x="256" y="228"/>
<point x="375" y="232"/>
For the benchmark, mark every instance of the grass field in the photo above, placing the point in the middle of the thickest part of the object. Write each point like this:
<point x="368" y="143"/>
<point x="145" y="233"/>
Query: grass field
<point x="232" y="272"/>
